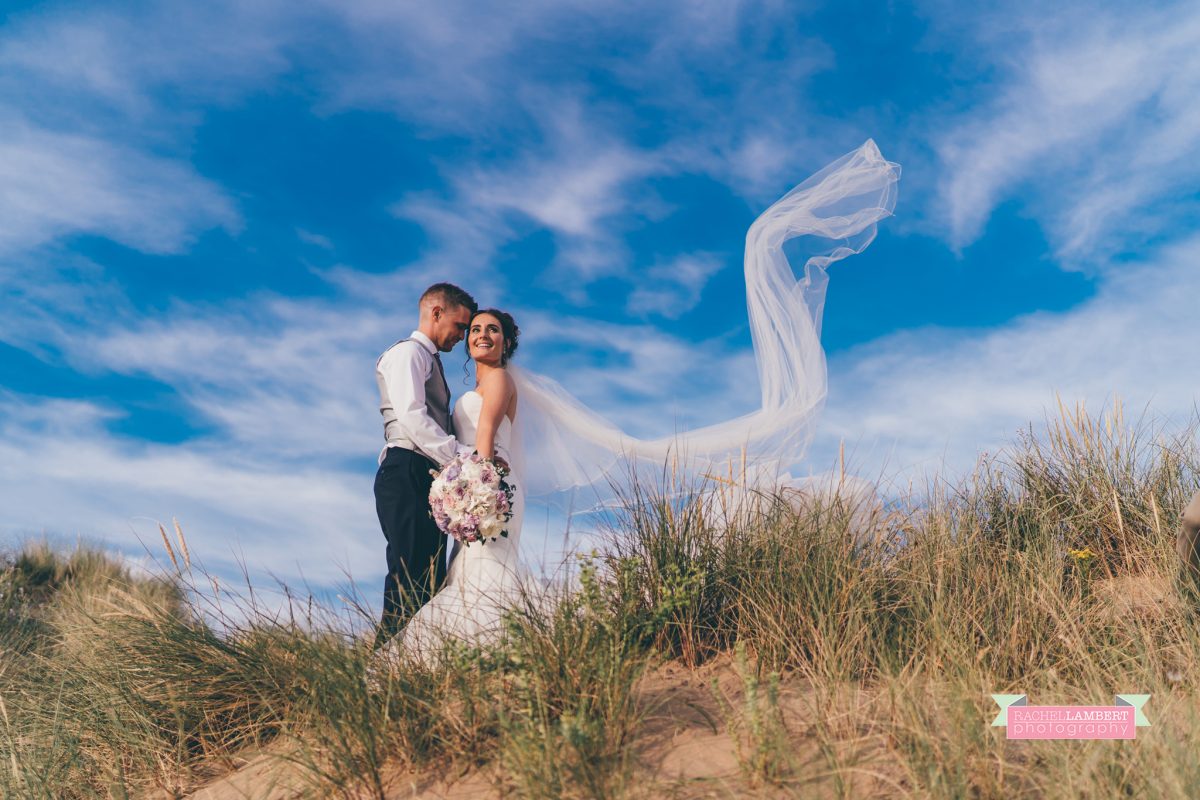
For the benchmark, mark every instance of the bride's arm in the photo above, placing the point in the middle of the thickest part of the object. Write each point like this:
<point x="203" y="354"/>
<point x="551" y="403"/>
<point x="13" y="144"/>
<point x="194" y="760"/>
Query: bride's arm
<point x="496" y="390"/>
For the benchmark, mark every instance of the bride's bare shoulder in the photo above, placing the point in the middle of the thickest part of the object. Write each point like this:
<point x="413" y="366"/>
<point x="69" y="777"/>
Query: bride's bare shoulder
<point x="498" y="381"/>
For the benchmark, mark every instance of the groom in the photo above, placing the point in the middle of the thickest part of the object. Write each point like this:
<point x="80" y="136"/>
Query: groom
<point x="415" y="403"/>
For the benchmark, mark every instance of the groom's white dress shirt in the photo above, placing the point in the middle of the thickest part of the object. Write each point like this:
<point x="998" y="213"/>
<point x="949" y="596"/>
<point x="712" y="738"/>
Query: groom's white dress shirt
<point x="402" y="373"/>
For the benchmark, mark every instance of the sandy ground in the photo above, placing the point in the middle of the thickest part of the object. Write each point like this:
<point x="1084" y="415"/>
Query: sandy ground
<point x="685" y="748"/>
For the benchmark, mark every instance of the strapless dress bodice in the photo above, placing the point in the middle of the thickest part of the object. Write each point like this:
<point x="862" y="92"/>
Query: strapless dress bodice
<point x="466" y="423"/>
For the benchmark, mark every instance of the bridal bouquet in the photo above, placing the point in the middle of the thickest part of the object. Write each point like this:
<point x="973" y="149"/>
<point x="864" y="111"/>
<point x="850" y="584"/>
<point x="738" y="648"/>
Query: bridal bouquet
<point x="470" y="500"/>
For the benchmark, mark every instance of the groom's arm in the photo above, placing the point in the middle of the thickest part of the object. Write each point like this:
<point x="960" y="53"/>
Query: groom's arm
<point x="404" y="370"/>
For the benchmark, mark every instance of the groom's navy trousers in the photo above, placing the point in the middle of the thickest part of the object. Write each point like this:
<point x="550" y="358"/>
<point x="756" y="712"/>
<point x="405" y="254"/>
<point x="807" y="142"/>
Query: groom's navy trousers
<point x="416" y="552"/>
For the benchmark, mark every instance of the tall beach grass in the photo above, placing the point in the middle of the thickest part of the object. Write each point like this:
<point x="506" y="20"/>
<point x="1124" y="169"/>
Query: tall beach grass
<point x="871" y="631"/>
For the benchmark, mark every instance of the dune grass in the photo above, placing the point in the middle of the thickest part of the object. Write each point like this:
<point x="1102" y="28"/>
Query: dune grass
<point x="1049" y="570"/>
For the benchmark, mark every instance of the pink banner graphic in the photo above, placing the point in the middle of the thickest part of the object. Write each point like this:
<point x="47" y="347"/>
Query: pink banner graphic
<point x="1071" y="722"/>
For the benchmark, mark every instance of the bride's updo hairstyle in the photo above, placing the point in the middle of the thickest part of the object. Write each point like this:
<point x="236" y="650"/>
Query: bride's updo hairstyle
<point x="508" y="327"/>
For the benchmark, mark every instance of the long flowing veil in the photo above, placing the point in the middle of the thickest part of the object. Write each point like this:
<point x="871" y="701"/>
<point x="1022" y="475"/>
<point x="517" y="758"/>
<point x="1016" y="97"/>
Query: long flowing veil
<point x="564" y="444"/>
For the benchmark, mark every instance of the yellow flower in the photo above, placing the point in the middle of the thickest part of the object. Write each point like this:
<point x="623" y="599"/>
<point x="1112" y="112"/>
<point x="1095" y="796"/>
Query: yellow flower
<point x="1082" y="555"/>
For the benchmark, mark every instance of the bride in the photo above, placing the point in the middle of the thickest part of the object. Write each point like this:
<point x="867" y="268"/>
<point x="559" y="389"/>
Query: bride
<point x="484" y="578"/>
<point x="561" y="445"/>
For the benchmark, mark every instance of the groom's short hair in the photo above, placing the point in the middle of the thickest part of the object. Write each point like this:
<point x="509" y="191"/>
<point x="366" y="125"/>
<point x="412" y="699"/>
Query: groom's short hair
<point x="450" y="296"/>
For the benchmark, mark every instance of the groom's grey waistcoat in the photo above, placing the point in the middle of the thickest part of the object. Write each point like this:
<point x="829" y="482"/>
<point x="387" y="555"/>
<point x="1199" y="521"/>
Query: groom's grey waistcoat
<point x="437" y="401"/>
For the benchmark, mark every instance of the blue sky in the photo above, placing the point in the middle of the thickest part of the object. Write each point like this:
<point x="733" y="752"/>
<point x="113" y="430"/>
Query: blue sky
<point x="214" y="216"/>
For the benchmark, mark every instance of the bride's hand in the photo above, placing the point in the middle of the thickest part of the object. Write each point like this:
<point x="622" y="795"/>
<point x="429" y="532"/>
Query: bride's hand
<point x="497" y="460"/>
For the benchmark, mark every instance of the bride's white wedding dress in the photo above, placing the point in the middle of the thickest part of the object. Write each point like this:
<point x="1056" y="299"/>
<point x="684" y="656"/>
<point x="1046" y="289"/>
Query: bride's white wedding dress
<point x="484" y="579"/>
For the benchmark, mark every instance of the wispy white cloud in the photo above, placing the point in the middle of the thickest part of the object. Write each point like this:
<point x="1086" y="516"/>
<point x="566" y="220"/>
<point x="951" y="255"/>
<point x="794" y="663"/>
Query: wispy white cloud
<point x="459" y="62"/>
<point x="54" y="184"/>
<point x="285" y="378"/>
<point x="96" y="112"/>
<point x="575" y="184"/>
<point x="112" y="64"/>
<point x="674" y="288"/>
<point x="315" y="239"/>
<point x="571" y="197"/>
<point x="641" y="377"/>
<point x="1092" y="121"/>
<point x="60" y="473"/>
<point x="918" y="399"/>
